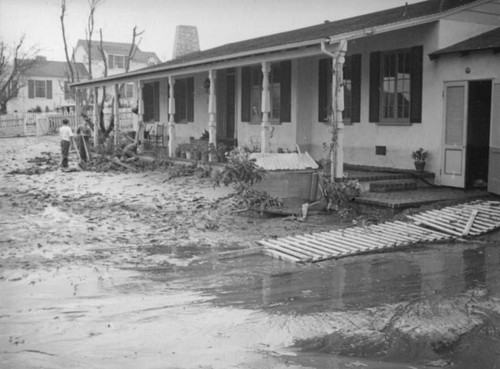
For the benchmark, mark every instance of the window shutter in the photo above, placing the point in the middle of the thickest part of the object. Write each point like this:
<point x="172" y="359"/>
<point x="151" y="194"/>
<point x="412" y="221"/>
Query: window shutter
<point x="49" y="90"/>
<point x="325" y="67"/>
<point x="356" y="88"/>
<point x="245" y="94"/>
<point x="375" y="87"/>
<point x="31" y="89"/>
<point x="416" y="60"/>
<point x="190" y="99"/>
<point x="286" y="91"/>
<point x="110" y="62"/>
<point x="156" y="101"/>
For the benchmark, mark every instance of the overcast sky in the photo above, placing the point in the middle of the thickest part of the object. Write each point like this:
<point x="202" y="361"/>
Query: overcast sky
<point x="218" y="21"/>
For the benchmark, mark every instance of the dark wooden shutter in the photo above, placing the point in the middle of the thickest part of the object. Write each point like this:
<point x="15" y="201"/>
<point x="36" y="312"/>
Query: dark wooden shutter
<point x="31" y="89"/>
<point x="156" y="101"/>
<point x="49" y="90"/>
<point x="416" y="59"/>
<point x="356" y="88"/>
<point x="245" y="94"/>
<point x="324" y="76"/>
<point x="178" y="99"/>
<point x="286" y="91"/>
<point x="190" y="99"/>
<point x="374" y="115"/>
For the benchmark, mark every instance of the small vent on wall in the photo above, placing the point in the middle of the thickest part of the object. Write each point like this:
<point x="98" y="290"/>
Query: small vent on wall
<point x="380" y="150"/>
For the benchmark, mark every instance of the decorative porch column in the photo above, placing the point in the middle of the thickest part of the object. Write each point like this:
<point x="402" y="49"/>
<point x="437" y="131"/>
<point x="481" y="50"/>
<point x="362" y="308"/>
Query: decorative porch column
<point x="337" y="158"/>
<point x="212" y="111"/>
<point x="265" y="108"/>
<point x="116" y="111"/>
<point x="340" y="109"/>
<point x="171" y="114"/>
<point x="139" y="137"/>
<point x="95" y="117"/>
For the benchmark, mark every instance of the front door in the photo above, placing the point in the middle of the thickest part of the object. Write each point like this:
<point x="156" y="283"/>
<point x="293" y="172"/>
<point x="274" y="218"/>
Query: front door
<point x="494" y="157"/>
<point x="455" y="132"/>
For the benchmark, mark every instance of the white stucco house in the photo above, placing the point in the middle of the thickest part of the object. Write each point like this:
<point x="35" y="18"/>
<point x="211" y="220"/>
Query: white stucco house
<point x="421" y="75"/>
<point x="45" y="87"/>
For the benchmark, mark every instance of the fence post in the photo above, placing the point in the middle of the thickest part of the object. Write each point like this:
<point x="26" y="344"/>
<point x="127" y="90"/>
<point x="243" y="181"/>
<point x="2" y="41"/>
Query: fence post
<point x="24" y="124"/>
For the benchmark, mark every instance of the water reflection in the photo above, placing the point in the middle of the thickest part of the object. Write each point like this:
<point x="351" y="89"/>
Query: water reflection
<point x="357" y="282"/>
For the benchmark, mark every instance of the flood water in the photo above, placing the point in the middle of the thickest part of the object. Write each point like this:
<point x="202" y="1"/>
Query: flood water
<point x="428" y="306"/>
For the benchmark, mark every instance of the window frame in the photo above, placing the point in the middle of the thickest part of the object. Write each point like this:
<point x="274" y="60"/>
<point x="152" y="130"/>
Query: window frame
<point x="35" y="92"/>
<point x="395" y="119"/>
<point x="416" y="64"/>
<point x="352" y="76"/>
<point x="112" y="61"/>
<point x="279" y="89"/>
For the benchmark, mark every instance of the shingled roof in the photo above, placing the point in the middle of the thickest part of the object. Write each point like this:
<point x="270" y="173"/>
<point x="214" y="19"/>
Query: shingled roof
<point x="325" y="30"/>
<point x="400" y="16"/>
<point x="56" y="69"/>
<point x="118" y="48"/>
<point x="485" y="41"/>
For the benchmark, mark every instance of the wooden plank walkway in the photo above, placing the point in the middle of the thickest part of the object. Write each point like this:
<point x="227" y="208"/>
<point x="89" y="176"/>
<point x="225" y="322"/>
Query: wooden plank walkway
<point x="471" y="219"/>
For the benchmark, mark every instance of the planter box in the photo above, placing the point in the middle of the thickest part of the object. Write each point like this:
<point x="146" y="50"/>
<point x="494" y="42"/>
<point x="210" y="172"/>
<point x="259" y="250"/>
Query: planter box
<point x="302" y="184"/>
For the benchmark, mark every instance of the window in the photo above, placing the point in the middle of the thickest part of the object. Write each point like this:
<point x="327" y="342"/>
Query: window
<point x="116" y="62"/>
<point x="129" y="90"/>
<point x="352" y="89"/>
<point x="39" y="89"/>
<point x="184" y="100"/>
<point x="279" y="88"/>
<point x="396" y="86"/>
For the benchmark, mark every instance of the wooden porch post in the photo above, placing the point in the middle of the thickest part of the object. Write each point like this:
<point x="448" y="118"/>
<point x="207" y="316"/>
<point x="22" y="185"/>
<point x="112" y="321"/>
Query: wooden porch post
<point x="139" y="137"/>
<point x="212" y="111"/>
<point x="116" y="111"/>
<point x="340" y="109"/>
<point x="171" y="121"/>
<point x="265" y="108"/>
<point x="95" y="117"/>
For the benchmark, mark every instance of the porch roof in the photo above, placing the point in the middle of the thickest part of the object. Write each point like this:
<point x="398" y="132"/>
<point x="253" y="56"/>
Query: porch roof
<point x="486" y="41"/>
<point x="350" y="28"/>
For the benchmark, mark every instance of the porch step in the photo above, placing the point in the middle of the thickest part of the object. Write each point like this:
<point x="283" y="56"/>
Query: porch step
<point x="393" y="185"/>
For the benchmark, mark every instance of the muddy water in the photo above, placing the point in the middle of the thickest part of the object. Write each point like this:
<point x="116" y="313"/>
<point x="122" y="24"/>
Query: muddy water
<point x="432" y="306"/>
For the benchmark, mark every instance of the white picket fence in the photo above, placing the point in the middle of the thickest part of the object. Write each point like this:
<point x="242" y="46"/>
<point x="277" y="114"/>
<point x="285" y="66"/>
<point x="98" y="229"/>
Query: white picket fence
<point x="32" y="124"/>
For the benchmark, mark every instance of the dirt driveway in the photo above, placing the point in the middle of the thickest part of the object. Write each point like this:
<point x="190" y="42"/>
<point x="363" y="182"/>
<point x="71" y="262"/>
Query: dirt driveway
<point x="120" y="270"/>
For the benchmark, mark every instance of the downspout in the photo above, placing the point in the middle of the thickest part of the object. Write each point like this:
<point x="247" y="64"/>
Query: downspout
<point x="333" y="153"/>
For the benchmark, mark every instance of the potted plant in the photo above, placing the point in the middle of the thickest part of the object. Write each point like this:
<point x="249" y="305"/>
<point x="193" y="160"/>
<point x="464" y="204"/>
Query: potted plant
<point x="419" y="157"/>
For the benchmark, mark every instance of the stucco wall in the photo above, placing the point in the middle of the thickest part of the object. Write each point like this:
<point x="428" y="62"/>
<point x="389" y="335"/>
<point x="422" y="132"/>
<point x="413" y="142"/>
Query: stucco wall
<point x="22" y="103"/>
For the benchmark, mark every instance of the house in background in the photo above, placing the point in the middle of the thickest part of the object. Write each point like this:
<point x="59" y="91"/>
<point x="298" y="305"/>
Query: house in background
<point x="116" y="54"/>
<point x="408" y="82"/>
<point x="45" y="87"/>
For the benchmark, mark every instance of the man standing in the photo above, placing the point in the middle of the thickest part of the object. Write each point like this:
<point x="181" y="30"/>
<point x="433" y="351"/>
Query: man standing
<point x="66" y="135"/>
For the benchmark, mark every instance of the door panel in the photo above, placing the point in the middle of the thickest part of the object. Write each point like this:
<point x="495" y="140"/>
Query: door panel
<point x="455" y="124"/>
<point x="494" y="158"/>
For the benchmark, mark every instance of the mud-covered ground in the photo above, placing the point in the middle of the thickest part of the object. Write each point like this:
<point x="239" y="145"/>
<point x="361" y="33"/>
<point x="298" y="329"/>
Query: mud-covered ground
<point x="120" y="270"/>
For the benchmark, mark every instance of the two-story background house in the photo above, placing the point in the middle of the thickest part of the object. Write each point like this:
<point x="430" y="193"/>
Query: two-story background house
<point x="116" y="54"/>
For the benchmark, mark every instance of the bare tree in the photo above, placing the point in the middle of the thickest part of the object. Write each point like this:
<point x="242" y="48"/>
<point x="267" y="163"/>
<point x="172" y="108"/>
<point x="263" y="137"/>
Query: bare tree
<point x="68" y="60"/>
<point x="134" y="46"/>
<point x="14" y="65"/>
<point x="90" y="30"/>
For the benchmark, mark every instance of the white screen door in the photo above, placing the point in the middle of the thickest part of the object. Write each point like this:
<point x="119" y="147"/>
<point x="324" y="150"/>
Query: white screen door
<point x="494" y="157"/>
<point x="455" y="134"/>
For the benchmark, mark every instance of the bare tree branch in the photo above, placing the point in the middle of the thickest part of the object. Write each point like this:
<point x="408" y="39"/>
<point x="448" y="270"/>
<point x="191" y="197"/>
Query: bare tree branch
<point x="68" y="61"/>
<point x="90" y="30"/>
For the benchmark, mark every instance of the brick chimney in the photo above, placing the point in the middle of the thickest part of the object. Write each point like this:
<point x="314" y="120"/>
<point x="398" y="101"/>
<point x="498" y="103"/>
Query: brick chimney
<point x="186" y="41"/>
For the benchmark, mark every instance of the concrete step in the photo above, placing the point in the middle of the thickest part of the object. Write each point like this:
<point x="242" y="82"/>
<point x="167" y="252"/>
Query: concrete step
<point x="393" y="185"/>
